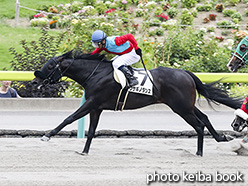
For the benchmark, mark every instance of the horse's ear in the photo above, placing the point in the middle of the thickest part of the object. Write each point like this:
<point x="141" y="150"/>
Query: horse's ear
<point x="39" y="74"/>
<point x="59" y="59"/>
<point x="67" y="54"/>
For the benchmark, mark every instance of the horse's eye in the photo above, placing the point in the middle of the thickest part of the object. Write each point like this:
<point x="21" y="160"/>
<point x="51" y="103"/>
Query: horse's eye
<point x="242" y="48"/>
<point x="50" y="67"/>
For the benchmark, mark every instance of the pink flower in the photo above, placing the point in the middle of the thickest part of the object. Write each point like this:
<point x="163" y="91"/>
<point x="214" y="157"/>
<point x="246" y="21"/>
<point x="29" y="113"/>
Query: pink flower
<point x="81" y="11"/>
<point x="60" y="5"/>
<point x="124" y="2"/>
<point x="212" y="17"/>
<point x="136" y="26"/>
<point x="110" y="10"/>
<point x="219" y="38"/>
<point x="166" y="17"/>
<point x="38" y="15"/>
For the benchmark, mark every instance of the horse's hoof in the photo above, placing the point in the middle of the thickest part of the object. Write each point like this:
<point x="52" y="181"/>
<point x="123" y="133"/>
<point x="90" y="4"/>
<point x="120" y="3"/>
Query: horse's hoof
<point x="45" y="138"/>
<point x="82" y="153"/>
<point x="199" y="154"/>
<point x="228" y="137"/>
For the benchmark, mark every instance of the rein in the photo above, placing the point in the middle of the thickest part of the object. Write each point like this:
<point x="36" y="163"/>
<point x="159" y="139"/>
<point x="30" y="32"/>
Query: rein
<point x="91" y="74"/>
<point x="67" y="68"/>
<point x="147" y="73"/>
<point x="55" y="75"/>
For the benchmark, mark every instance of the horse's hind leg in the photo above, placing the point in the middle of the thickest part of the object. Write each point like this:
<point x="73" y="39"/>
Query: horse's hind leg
<point x="209" y="126"/>
<point x="198" y="125"/>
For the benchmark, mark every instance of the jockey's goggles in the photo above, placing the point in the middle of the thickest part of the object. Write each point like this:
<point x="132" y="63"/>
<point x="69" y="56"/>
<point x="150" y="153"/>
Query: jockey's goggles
<point x="97" y="43"/>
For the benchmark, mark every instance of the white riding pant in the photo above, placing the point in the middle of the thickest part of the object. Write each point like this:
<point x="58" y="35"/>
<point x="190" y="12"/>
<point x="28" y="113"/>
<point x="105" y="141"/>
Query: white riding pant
<point x="125" y="59"/>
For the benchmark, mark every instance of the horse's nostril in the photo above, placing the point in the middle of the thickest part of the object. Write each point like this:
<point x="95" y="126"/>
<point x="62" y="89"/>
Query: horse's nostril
<point x="235" y="125"/>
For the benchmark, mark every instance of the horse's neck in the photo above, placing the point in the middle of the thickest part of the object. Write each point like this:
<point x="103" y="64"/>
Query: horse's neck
<point x="81" y="69"/>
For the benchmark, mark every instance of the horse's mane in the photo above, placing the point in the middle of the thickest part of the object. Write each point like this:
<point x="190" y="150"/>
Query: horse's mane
<point x="77" y="54"/>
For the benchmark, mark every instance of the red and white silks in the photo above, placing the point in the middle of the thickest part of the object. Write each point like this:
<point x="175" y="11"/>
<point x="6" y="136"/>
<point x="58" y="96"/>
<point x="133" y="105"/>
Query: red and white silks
<point x="242" y="112"/>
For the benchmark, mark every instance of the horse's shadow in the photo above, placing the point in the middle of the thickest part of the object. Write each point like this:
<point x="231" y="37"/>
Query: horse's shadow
<point x="241" y="149"/>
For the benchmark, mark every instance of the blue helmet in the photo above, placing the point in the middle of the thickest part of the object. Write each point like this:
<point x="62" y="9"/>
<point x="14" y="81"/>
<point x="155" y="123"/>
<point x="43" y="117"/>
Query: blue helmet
<point x="98" y="36"/>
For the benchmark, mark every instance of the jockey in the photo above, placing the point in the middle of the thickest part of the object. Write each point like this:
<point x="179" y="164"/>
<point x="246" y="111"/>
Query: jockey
<point x="243" y="113"/>
<point x="126" y="49"/>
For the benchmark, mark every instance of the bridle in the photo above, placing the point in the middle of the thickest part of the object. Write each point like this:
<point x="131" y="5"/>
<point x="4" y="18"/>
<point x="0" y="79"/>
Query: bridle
<point x="244" y="122"/>
<point x="54" y="75"/>
<point x="242" y="52"/>
<point x="242" y="58"/>
<point x="56" y="72"/>
<point x="240" y="121"/>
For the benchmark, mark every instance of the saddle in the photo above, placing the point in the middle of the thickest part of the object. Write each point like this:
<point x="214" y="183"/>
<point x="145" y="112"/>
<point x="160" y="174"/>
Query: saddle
<point x="145" y="86"/>
<point x="141" y="76"/>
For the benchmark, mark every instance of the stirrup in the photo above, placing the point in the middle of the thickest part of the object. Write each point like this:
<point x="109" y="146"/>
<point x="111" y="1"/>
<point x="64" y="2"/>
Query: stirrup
<point x="133" y="82"/>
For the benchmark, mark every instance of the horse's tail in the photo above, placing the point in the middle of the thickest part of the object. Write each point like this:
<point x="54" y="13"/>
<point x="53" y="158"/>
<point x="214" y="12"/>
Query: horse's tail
<point x="214" y="94"/>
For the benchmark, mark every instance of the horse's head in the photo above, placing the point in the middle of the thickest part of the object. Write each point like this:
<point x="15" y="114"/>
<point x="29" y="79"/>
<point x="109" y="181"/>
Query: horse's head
<point x="240" y="121"/>
<point x="240" y="57"/>
<point x="57" y="67"/>
<point x="50" y="73"/>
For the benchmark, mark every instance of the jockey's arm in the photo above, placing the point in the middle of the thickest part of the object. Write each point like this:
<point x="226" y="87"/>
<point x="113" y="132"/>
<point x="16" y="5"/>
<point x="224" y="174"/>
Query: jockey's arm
<point x="96" y="51"/>
<point x="128" y="37"/>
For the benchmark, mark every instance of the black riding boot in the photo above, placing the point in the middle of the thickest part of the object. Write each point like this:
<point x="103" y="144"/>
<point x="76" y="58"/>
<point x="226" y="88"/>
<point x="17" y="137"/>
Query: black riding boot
<point x="132" y="81"/>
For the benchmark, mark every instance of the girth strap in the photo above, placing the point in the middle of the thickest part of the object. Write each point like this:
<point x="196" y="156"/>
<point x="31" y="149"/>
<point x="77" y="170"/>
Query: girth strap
<point x="121" y="100"/>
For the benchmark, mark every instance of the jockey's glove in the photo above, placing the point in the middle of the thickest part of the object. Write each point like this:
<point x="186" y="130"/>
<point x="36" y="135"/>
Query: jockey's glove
<point x="139" y="52"/>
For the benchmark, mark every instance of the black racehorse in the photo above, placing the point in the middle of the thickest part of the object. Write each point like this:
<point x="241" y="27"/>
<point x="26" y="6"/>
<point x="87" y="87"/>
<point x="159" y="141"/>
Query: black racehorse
<point x="239" y="60"/>
<point x="175" y="88"/>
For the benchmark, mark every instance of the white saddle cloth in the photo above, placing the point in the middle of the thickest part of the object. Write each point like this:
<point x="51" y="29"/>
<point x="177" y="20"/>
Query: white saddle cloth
<point x="145" y="85"/>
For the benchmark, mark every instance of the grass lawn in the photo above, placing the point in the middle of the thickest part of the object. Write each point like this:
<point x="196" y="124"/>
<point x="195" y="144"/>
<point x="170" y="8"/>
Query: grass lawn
<point x="11" y="36"/>
<point x="7" y="7"/>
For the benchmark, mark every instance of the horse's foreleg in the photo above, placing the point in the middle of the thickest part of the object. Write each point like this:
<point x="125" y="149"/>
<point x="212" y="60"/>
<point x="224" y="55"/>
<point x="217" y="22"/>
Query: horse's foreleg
<point x="94" y="118"/>
<point x="82" y="111"/>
